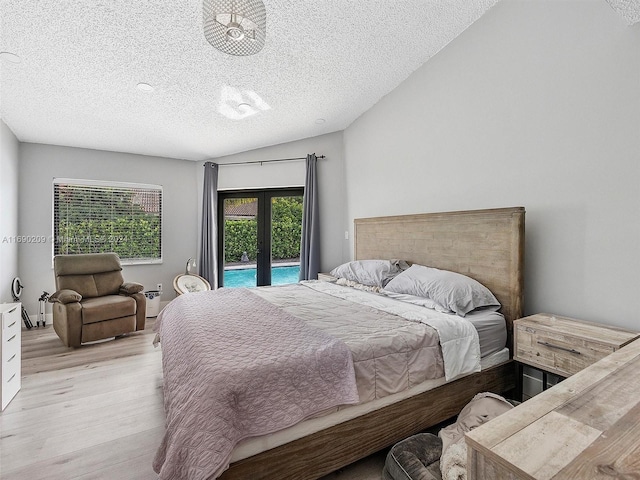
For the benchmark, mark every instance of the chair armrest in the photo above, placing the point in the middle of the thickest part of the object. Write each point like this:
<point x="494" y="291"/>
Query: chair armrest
<point x="130" y="288"/>
<point x="65" y="296"/>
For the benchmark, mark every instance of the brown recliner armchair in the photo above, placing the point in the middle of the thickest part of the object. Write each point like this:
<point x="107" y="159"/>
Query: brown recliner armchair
<point x="92" y="301"/>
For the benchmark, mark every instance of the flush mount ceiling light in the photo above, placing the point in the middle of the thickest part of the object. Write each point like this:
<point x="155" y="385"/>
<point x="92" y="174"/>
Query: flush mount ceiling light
<point x="145" y="87"/>
<point x="236" y="27"/>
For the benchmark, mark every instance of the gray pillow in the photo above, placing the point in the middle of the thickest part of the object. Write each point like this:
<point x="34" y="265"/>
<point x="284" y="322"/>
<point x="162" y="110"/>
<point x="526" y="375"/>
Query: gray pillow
<point x="454" y="291"/>
<point x="369" y="272"/>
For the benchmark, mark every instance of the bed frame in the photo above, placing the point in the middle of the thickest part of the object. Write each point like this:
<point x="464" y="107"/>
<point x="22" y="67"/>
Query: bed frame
<point x="487" y="245"/>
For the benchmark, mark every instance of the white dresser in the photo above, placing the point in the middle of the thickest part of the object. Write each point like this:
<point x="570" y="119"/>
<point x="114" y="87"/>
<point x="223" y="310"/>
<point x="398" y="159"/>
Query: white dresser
<point x="10" y="350"/>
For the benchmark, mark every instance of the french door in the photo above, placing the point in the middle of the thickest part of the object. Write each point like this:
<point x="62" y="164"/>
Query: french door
<point x="259" y="237"/>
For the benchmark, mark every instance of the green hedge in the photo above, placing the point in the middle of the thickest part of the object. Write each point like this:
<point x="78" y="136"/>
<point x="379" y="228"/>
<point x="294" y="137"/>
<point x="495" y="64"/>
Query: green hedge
<point x="127" y="237"/>
<point x="241" y="235"/>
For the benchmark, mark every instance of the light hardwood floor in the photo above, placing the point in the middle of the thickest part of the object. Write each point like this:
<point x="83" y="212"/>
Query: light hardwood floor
<point x="95" y="412"/>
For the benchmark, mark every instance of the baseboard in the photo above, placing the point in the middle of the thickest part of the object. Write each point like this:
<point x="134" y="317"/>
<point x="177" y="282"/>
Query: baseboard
<point x="48" y="319"/>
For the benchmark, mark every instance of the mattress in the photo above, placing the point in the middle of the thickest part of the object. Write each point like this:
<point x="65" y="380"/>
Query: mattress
<point x="397" y="349"/>
<point x="492" y="330"/>
<point x="489" y="324"/>
<point x="492" y="336"/>
<point x="253" y="446"/>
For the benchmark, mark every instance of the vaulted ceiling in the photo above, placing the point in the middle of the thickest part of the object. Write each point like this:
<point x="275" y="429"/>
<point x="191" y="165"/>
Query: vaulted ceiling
<point x="71" y="70"/>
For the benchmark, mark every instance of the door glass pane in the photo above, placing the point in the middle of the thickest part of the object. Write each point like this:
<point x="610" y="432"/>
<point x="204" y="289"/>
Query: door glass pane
<point x="286" y="228"/>
<point x="240" y="241"/>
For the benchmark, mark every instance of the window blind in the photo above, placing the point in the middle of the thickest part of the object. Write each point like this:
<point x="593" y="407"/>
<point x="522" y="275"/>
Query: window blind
<point x="97" y="217"/>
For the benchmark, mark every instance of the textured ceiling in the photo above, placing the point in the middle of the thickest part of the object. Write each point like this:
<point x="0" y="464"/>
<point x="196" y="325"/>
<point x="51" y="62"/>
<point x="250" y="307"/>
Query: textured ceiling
<point x="629" y="9"/>
<point x="323" y="59"/>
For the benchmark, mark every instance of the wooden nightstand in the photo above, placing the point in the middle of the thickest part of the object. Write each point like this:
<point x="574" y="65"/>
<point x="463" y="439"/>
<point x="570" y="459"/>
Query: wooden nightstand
<point x="564" y="346"/>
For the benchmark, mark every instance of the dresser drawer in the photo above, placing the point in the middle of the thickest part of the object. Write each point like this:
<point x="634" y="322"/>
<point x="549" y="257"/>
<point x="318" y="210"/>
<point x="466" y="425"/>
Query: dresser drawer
<point x="565" y="346"/>
<point x="562" y="354"/>
<point x="10" y="339"/>
<point x="10" y="335"/>
<point x="10" y="346"/>
<point x="11" y="321"/>
<point x="11" y="371"/>
<point x="10" y="380"/>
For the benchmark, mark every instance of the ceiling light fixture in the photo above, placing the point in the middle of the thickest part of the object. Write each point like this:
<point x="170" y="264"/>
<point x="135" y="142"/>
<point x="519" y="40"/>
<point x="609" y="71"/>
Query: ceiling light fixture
<point x="235" y="27"/>
<point x="320" y="121"/>
<point x="145" y="87"/>
<point x="236" y="104"/>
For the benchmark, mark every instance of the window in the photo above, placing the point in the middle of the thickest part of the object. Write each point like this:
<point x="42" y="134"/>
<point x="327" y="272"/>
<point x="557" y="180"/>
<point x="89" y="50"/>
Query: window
<point x="96" y="217"/>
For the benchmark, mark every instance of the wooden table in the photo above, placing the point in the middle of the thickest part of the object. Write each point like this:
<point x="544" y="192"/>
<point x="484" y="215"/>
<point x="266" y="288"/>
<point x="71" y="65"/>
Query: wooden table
<point x="587" y="427"/>
<point x="562" y="345"/>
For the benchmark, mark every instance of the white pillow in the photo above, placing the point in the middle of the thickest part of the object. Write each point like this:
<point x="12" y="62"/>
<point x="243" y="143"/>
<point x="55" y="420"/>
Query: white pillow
<point x="415" y="300"/>
<point x="454" y="291"/>
<point x="369" y="272"/>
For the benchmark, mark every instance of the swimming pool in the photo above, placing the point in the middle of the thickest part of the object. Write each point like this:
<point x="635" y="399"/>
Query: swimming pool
<point x="246" y="277"/>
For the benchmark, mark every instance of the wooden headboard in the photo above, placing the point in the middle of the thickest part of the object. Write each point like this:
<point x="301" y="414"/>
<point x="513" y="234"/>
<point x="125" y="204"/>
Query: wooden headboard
<point x="487" y="245"/>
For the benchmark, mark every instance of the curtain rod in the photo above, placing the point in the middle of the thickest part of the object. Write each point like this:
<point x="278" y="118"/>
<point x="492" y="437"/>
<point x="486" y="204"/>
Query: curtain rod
<point x="268" y="161"/>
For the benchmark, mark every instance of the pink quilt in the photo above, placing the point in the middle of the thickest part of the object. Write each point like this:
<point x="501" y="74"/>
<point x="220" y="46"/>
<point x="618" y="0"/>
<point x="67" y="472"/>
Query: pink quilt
<point x="236" y="366"/>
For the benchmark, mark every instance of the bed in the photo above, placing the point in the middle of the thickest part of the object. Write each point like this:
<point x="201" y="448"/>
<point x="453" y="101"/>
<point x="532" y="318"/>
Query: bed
<point x="486" y="245"/>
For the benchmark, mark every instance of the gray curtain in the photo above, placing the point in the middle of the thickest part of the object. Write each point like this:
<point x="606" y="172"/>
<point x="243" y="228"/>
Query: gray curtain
<point x="209" y="235"/>
<point x="310" y="243"/>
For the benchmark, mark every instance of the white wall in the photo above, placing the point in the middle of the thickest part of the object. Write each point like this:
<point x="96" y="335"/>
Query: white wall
<point x="335" y="249"/>
<point x="8" y="211"/>
<point x="536" y="104"/>
<point x="39" y="164"/>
